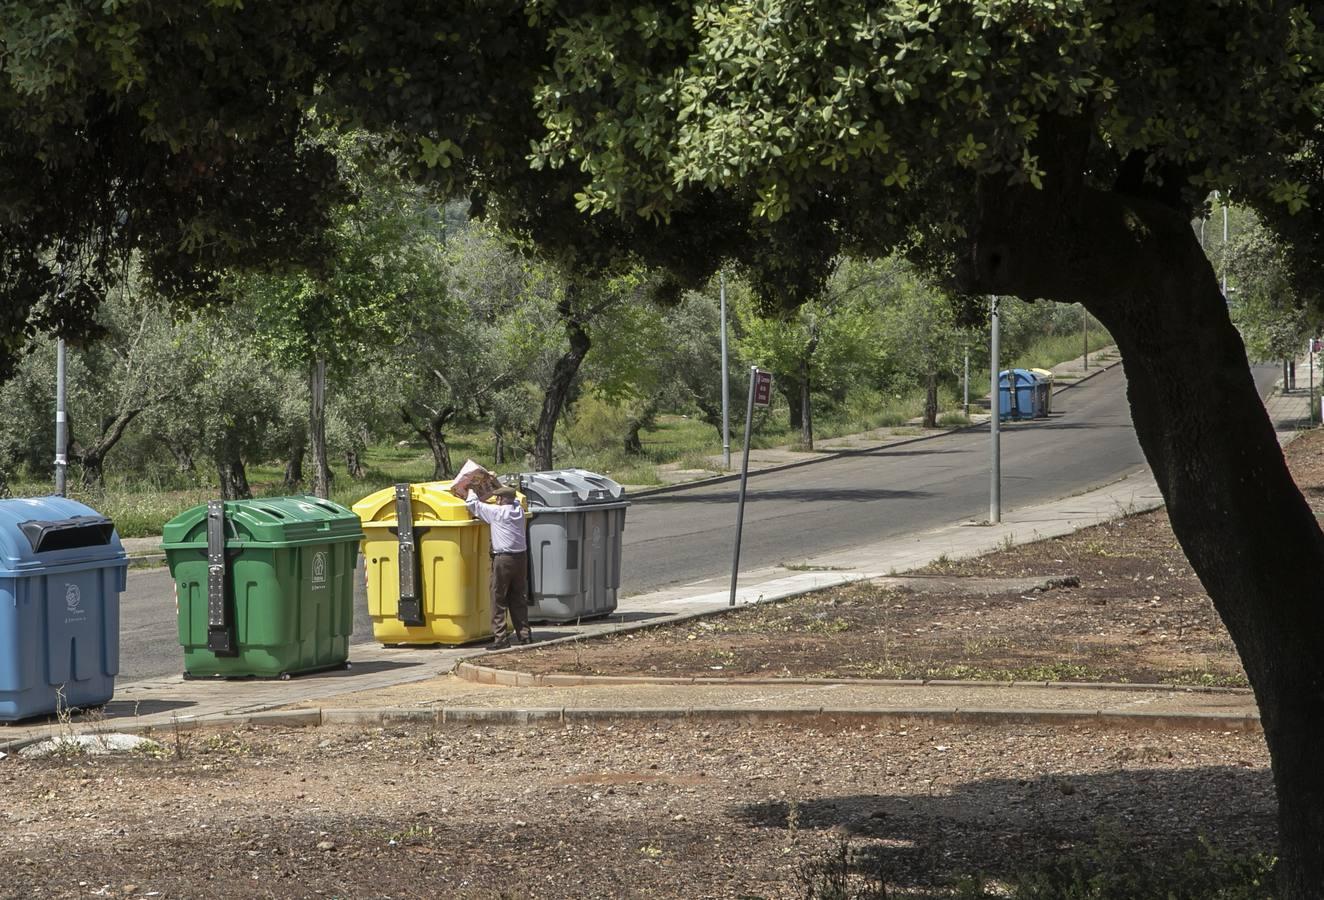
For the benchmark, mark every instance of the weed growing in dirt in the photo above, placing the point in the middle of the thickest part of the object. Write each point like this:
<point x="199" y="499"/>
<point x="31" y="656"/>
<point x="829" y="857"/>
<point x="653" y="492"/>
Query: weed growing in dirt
<point x="843" y="874"/>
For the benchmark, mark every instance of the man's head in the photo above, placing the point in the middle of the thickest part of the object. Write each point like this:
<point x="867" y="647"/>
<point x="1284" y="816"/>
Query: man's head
<point x="504" y="494"/>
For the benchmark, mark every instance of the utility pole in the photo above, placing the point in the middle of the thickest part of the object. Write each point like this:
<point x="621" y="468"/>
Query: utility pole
<point x="1225" y="250"/>
<point x="61" y="422"/>
<point x="1085" y="333"/>
<point x="726" y="385"/>
<point x="995" y="410"/>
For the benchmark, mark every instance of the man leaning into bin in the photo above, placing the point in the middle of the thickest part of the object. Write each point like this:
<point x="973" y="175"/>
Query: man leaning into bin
<point x="510" y="565"/>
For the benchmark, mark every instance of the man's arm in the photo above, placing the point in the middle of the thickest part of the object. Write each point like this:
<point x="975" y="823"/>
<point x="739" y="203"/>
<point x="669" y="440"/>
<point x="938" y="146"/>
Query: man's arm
<point x="477" y="508"/>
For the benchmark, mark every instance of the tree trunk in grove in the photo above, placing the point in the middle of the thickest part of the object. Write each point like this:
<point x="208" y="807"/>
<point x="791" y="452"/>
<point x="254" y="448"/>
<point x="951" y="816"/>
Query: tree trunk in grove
<point x="294" y="464"/>
<point x="93" y="458"/>
<point x="498" y="445"/>
<point x="183" y="457"/>
<point x="806" y="408"/>
<point x="354" y="464"/>
<point x="233" y="478"/>
<point x="636" y="423"/>
<point x="931" y="400"/>
<point x="558" y="389"/>
<point x="432" y="429"/>
<point x="317" y="429"/>
<point x="1245" y="527"/>
<point x="791" y="390"/>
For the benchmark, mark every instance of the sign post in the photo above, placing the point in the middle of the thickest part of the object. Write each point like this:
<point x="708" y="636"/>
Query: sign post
<point x="760" y="394"/>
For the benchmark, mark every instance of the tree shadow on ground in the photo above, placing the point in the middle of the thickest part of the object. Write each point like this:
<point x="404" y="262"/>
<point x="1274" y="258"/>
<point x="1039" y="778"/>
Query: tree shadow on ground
<point x="1000" y="828"/>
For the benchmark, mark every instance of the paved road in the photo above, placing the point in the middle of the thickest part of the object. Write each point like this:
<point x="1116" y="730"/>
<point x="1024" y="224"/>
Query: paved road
<point x="796" y="514"/>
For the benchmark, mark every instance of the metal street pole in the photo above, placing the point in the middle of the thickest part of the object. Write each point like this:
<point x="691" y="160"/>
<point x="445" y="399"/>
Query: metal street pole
<point x="744" y="477"/>
<point x="995" y="410"/>
<point x="1085" y="333"/>
<point x="1310" y="355"/>
<point x="61" y="421"/>
<point x="1224" y="249"/>
<point x="726" y="384"/>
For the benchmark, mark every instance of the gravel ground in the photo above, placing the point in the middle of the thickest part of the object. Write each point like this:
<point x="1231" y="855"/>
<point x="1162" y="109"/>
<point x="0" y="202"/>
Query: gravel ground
<point x="657" y="810"/>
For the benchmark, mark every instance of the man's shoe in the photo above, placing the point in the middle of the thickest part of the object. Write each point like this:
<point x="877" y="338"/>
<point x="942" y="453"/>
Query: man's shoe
<point x="526" y="638"/>
<point x="502" y="643"/>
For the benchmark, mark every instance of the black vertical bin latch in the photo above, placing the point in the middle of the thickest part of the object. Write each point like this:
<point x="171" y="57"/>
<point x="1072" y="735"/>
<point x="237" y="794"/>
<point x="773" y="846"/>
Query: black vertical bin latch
<point x="410" y="608"/>
<point x="220" y="622"/>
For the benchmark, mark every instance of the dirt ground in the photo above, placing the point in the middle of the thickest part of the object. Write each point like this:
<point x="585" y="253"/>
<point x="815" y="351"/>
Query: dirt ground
<point x="647" y="810"/>
<point x="1117" y="602"/>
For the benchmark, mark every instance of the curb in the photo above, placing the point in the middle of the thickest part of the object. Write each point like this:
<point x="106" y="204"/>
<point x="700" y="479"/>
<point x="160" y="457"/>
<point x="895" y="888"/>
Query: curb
<point x="816" y="716"/>
<point x="476" y="674"/>
<point x="838" y="454"/>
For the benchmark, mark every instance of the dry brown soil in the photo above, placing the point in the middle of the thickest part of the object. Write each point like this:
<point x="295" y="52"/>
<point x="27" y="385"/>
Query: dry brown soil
<point x="639" y="810"/>
<point x="1116" y="602"/>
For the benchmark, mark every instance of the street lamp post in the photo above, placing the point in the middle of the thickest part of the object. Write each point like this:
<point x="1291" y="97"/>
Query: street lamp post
<point x="726" y="389"/>
<point x="61" y="421"/>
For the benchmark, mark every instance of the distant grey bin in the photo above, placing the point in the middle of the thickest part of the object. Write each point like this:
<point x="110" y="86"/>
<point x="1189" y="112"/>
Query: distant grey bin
<point x="576" y="519"/>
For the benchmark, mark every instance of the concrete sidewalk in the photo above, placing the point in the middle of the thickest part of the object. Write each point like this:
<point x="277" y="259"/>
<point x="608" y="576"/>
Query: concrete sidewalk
<point x="385" y="680"/>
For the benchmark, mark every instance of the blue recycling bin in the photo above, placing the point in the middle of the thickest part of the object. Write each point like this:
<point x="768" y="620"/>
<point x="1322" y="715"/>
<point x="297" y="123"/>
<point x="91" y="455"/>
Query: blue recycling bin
<point x="1019" y="395"/>
<point x="62" y="569"/>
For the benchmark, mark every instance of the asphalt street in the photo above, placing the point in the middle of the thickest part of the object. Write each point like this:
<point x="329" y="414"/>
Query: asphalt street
<point x="795" y="514"/>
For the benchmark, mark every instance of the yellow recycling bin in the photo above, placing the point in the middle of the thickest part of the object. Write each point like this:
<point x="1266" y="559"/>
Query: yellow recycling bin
<point x="427" y="566"/>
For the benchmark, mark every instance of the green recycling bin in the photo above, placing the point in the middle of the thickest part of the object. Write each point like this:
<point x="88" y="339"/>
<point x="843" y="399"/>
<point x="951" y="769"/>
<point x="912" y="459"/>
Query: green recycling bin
<point x="264" y="588"/>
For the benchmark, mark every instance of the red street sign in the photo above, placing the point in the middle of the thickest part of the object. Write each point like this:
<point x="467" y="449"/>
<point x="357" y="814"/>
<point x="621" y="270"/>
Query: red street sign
<point x="762" y="388"/>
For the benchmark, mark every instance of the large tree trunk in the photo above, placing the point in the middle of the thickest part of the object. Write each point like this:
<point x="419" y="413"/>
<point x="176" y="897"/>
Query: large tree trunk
<point x="558" y="389"/>
<point x="1243" y="524"/>
<point x="317" y="429"/>
<point x="498" y="445"/>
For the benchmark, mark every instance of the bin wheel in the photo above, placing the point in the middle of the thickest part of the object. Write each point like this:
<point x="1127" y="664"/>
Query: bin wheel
<point x="284" y="676"/>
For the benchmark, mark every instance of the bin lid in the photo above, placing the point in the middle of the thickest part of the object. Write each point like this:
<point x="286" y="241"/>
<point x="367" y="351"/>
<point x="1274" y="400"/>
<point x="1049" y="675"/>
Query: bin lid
<point x="1021" y="376"/>
<point x="51" y="531"/>
<point x="433" y="504"/>
<point x="1043" y="374"/>
<point x="568" y="488"/>
<point x="270" y="521"/>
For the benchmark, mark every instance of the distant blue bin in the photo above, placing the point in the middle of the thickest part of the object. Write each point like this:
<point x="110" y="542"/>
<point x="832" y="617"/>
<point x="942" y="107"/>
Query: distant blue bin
<point x="62" y="569"/>
<point x="1020" y="395"/>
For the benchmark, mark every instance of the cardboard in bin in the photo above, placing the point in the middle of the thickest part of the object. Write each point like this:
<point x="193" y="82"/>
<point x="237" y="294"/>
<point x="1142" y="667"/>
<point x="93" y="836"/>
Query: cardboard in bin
<point x="473" y="477"/>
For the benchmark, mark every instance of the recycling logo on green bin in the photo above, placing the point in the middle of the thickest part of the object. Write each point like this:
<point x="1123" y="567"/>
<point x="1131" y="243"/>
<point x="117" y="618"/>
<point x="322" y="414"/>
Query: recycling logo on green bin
<point x="319" y="569"/>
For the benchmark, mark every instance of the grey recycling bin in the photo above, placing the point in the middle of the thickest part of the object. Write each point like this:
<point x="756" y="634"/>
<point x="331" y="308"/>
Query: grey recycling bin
<point x="576" y="519"/>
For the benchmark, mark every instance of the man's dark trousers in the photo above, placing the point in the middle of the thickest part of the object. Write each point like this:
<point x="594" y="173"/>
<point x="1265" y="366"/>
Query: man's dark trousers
<point x="510" y="593"/>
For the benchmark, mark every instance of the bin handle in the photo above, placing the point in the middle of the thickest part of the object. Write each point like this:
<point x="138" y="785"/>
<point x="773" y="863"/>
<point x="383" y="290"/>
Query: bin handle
<point x="220" y="623"/>
<point x="409" y="608"/>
